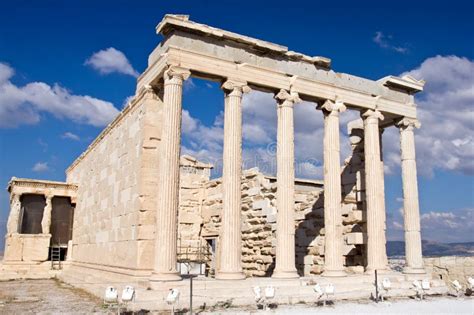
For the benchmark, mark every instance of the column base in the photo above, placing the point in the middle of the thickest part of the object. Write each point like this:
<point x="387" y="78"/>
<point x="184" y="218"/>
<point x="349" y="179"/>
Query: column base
<point x="230" y="275"/>
<point x="413" y="271"/>
<point x="334" y="273"/>
<point x="279" y="274"/>
<point x="164" y="277"/>
<point x="381" y="270"/>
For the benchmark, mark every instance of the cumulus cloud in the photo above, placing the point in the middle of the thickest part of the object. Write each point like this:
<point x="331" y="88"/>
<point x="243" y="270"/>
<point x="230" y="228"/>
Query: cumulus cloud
<point x="24" y="104"/>
<point x="439" y="226"/>
<point x="384" y="41"/>
<point x="111" y="60"/>
<point x="40" y="167"/>
<point x="259" y="128"/>
<point x="70" y="136"/>
<point x="444" y="142"/>
<point x="445" y="108"/>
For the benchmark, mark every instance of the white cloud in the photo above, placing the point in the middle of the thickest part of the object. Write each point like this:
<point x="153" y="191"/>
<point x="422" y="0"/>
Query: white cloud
<point x="71" y="136"/>
<point x="40" y="167"/>
<point x="445" y="108"/>
<point x="127" y="100"/>
<point x="439" y="226"/>
<point x="25" y="104"/>
<point x="259" y="127"/>
<point x="444" y="141"/>
<point x="383" y="41"/>
<point x="111" y="60"/>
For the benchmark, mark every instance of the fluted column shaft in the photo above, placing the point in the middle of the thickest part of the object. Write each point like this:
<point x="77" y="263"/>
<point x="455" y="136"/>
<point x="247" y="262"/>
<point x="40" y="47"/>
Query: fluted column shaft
<point x="46" y="221"/>
<point x="285" y="231"/>
<point x="230" y="252"/>
<point x="411" y="213"/>
<point x="374" y="181"/>
<point x="168" y="188"/>
<point x="333" y="256"/>
<point x="14" y="217"/>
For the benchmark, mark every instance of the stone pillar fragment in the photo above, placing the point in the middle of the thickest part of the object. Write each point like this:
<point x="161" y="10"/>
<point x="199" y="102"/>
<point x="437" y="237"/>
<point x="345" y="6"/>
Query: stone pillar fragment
<point x="333" y="254"/>
<point x="411" y="209"/>
<point x="285" y="231"/>
<point x="374" y="181"/>
<point x="14" y="217"/>
<point x="46" y="221"/>
<point x="168" y="187"/>
<point x="230" y="243"/>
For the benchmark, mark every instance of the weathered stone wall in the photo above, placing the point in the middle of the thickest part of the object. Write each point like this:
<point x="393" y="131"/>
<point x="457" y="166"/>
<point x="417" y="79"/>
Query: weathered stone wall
<point x="450" y="268"/>
<point x="259" y="224"/>
<point x="194" y="176"/>
<point x="112" y="225"/>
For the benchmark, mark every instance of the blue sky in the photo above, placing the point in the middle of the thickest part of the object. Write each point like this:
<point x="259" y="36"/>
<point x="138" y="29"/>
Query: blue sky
<point x="66" y="68"/>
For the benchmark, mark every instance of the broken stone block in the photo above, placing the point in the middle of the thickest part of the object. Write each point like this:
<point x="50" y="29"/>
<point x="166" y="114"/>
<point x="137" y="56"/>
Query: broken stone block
<point x="356" y="238"/>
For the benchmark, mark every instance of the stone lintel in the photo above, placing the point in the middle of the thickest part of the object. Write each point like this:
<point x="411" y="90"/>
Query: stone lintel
<point x="405" y="83"/>
<point x="354" y="92"/>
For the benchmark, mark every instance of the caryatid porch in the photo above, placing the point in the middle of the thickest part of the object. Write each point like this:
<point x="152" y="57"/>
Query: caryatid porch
<point x="243" y="63"/>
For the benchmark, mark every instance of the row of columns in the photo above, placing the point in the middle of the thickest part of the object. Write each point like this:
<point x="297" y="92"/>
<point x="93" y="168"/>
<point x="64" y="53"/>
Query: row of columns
<point x="230" y="236"/>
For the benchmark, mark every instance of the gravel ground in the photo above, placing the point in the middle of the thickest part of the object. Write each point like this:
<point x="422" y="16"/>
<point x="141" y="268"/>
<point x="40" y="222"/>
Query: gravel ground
<point x="440" y="305"/>
<point x="46" y="297"/>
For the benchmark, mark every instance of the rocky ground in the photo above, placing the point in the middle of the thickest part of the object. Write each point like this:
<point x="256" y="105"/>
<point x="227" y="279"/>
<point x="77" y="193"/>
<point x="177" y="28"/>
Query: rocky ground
<point x="46" y="297"/>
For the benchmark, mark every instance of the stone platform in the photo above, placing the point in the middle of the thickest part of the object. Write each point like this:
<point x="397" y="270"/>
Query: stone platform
<point x="211" y="292"/>
<point x="27" y="270"/>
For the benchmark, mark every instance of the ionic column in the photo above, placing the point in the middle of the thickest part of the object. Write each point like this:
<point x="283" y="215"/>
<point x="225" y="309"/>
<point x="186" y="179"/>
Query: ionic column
<point x="230" y="260"/>
<point x="411" y="209"/>
<point x="14" y="217"/>
<point x="285" y="231"/>
<point x="333" y="256"/>
<point x="374" y="181"/>
<point x="168" y="189"/>
<point x="46" y="221"/>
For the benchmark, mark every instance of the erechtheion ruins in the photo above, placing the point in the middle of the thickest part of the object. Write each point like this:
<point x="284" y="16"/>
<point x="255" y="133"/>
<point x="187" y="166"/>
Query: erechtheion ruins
<point x="134" y="211"/>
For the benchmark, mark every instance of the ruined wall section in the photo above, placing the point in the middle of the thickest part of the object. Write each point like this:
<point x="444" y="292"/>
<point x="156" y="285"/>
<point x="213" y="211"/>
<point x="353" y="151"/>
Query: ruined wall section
<point x="259" y="219"/>
<point x="194" y="177"/>
<point x="259" y="216"/>
<point x="353" y="196"/>
<point x="110" y="228"/>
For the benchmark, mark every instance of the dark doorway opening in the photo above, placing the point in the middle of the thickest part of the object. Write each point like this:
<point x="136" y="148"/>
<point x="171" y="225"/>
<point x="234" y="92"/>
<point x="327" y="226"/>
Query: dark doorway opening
<point x="62" y="217"/>
<point x="31" y="215"/>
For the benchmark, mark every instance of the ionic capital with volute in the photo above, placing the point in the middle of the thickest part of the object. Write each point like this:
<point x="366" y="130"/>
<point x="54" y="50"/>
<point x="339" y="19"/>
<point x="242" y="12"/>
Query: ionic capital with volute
<point x="287" y="99"/>
<point x="372" y="116"/>
<point x="176" y="75"/>
<point x="235" y="87"/>
<point x="333" y="108"/>
<point x="408" y="123"/>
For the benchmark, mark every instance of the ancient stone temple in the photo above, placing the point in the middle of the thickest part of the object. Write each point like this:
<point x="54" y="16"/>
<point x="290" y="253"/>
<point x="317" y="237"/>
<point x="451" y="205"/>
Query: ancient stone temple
<point x="134" y="211"/>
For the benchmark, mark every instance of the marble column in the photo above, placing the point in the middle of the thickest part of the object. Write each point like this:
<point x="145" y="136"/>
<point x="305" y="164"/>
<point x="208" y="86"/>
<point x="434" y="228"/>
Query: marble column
<point x="285" y="230"/>
<point x="333" y="254"/>
<point x="46" y="221"/>
<point x="14" y="217"/>
<point x="230" y="242"/>
<point x="374" y="181"/>
<point x="168" y="188"/>
<point x="411" y="209"/>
